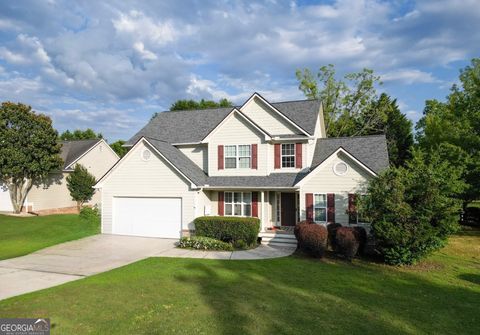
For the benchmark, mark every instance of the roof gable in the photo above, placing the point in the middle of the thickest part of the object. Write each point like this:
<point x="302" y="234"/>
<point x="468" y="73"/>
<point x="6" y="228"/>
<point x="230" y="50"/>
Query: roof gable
<point x="72" y="151"/>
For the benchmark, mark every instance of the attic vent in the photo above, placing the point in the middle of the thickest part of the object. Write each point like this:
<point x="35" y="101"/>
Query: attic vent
<point x="340" y="168"/>
<point x="146" y="154"/>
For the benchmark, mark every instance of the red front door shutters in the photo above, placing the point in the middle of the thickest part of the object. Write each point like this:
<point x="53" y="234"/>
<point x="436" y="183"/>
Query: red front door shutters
<point x="298" y="155"/>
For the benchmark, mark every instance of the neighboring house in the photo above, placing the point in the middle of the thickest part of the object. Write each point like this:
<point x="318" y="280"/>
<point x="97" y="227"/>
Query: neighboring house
<point x="95" y="155"/>
<point x="268" y="160"/>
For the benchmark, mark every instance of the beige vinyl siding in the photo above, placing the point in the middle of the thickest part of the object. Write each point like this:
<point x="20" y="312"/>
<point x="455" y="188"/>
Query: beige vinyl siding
<point x="237" y="131"/>
<point x="53" y="195"/>
<point x="134" y="177"/>
<point x="267" y="119"/>
<point x="56" y="194"/>
<point x="326" y="181"/>
<point x="197" y="154"/>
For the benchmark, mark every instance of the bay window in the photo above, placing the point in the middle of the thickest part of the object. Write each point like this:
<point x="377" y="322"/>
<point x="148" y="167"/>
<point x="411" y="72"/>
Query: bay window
<point x="238" y="203"/>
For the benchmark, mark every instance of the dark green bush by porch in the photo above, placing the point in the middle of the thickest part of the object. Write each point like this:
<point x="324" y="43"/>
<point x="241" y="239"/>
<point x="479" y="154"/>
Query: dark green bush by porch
<point x="228" y="229"/>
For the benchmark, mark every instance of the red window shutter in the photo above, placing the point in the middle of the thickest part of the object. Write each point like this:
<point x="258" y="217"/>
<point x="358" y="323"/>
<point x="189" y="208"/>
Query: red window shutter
<point x="352" y="210"/>
<point x="221" y="203"/>
<point x="331" y="208"/>
<point x="220" y="157"/>
<point x="277" y="155"/>
<point x="309" y="206"/>
<point x="254" y="156"/>
<point x="255" y="204"/>
<point x="298" y="155"/>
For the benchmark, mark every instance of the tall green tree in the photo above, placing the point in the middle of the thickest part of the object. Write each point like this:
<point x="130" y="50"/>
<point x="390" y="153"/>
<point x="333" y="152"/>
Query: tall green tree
<point x="119" y="148"/>
<point x="347" y="103"/>
<point x="87" y="134"/>
<point x="453" y="127"/>
<point x="202" y="104"/>
<point x="80" y="184"/>
<point x="397" y="129"/>
<point x="29" y="150"/>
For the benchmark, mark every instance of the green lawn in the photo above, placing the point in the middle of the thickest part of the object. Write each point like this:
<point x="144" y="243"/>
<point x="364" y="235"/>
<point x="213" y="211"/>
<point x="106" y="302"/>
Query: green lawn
<point x="291" y="295"/>
<point x="23" y="235"/>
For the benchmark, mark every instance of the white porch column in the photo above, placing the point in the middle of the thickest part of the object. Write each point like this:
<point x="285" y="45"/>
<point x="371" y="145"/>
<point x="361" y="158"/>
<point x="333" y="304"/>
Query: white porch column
<point x="262" y="216"/>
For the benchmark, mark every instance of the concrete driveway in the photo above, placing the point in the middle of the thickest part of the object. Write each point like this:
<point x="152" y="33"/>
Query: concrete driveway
<point x="74" y="260"/>
<point x="91" y="255"/>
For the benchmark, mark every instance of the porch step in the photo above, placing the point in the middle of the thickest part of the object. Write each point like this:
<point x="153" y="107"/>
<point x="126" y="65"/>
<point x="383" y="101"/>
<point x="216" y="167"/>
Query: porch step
<point x="278" y="239"/>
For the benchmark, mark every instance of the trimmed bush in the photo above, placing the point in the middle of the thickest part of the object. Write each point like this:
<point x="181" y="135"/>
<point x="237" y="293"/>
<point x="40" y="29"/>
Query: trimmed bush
<point x="361" y="235"/>
<point x="347" y="242"/>
<point x="204" y="243"/>
<point x="332" y="231"/>
<point x="90" y="214"/>
<point x="297" y="229"/>
<point x="312" y="239"/>
<point x="228" y="229"/>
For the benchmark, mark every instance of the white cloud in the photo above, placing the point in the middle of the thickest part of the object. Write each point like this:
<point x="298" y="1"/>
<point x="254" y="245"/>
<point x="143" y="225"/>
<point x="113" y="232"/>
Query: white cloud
<point x="409" y="76"/>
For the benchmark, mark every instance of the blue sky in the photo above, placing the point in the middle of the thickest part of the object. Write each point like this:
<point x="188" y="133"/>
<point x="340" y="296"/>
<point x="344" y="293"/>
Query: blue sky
<point x="110" y="65"/>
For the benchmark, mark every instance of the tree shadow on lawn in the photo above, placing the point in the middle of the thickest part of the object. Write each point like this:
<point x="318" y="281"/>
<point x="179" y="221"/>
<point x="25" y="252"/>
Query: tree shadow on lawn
<point x="294" y="295"/>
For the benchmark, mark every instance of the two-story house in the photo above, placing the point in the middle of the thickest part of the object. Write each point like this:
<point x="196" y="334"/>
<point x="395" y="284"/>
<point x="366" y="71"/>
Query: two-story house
<point x="268" y="160"/>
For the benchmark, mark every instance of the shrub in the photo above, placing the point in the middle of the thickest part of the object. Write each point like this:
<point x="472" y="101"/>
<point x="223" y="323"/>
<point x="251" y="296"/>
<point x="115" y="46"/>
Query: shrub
<point x="228" y="229"/>
<point x="80" y="184"/>
<point x="204" y="243"/>
<point x="90" y="214"/>
<point x="413" y="209"/>
<point x="312" y="239"/>
<point x="297" y="229"/>
<point x="347" y="242"/>
<point x="361" y="235"/>
<point x="332" y="231"/>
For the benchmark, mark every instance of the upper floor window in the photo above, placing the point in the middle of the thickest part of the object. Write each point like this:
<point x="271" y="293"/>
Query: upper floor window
<point x="238" y="156"/>
<point x="288" y="155"/>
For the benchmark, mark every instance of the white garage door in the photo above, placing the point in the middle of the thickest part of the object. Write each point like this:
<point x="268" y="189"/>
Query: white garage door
<point x="152" y="217"/>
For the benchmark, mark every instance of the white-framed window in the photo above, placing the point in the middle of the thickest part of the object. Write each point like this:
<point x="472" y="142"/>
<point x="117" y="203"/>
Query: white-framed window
<point x="288" y="155"/>
<point x="238" y="156"/>
<point x="320" y="208"/>
<point x="238" y="203"/>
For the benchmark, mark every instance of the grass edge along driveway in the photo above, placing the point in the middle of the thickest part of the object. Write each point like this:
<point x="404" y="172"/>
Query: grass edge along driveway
<point x="291" y="295"/>
<point x="23" y="235"/>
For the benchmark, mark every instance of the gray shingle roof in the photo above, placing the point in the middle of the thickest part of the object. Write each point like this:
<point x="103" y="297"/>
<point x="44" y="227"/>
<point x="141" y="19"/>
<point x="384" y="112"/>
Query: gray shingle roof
<point x="194" y="125"/>
<point x="272" y="180"/>
<point x="72" y="150"/>
<point x="180" y="161"/>
<point x="370" y="150"/>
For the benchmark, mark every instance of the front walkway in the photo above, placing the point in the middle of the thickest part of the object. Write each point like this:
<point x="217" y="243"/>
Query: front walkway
<point x="95" y="254"/>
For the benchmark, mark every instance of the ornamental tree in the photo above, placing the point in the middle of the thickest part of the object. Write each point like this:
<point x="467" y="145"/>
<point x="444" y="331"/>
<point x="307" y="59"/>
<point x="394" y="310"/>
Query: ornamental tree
<point x="80" y="184"/>
<point x="29" y="150"/>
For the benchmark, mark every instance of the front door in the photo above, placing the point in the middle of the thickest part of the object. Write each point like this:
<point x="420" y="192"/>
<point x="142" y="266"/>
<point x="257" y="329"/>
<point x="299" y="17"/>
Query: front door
<point x="288" y="209"/>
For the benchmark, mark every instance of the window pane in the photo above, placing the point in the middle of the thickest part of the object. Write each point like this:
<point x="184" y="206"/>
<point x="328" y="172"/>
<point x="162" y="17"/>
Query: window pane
<point x="247" y="210"/>
<point x="228" y="197"/>
<point x="237" y="197"/>
<point x="228" y="209"/>
<point x="244" y="150"/>
<point x="288" y="161"/>
<point x="288" y="149"/>
<point x="237" y="209"/>
<point x="247" y="198"/>
<point x="244" y="162"/>
<point x="230" y="151"/>
<point x="320" y="215"/>
<point x="320" y="200"/>
<point x="230" y="163"/>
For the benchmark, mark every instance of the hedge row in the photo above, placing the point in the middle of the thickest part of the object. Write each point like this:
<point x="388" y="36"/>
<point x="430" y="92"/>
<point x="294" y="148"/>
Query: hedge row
<point x="204" y="243"/>
<point x="239" y="231"/>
